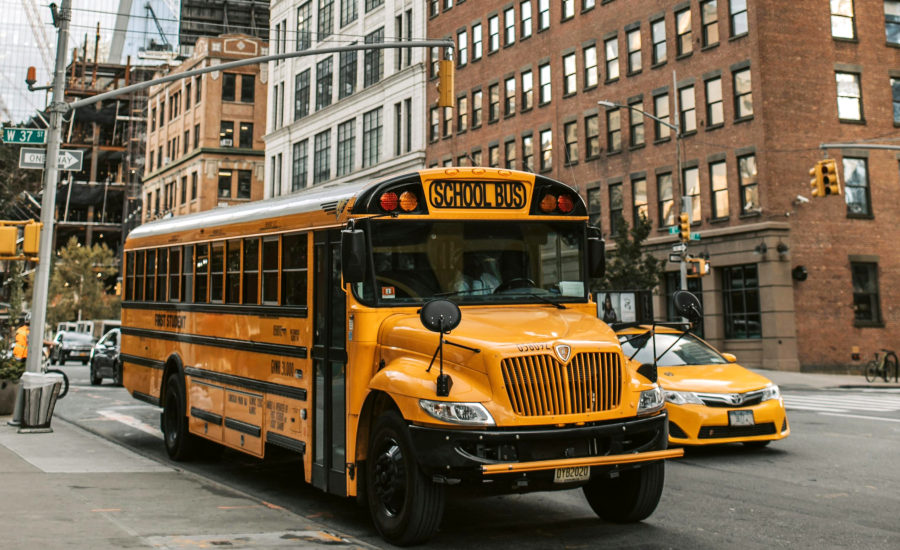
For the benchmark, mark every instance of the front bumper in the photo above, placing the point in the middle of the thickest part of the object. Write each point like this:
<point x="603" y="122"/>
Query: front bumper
<point x="704" y="425"/>
<point x="604" y="446"/>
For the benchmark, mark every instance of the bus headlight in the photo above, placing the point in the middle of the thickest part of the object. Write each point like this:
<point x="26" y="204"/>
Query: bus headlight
<point x="472" y="414"/>
<point x="770" y="393"/>
<point x="683" y="398"/>
<point x="651" y="401"/>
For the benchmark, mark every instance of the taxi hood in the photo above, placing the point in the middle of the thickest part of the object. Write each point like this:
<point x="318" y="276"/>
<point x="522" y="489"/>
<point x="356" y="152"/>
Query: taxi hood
<point x="728" y="378"/>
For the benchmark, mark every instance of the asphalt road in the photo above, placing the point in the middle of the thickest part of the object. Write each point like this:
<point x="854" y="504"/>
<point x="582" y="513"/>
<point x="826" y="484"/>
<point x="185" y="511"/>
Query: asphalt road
<point x="834" y="483"/>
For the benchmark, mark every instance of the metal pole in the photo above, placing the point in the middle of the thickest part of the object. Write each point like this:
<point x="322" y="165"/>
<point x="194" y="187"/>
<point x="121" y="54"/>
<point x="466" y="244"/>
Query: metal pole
<point x="48" y="203"/>
<point x="685" y="200"/>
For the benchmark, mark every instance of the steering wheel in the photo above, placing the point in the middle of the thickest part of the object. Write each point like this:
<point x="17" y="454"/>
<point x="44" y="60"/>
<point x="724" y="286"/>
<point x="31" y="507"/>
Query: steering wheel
<point x="519" y="282"/>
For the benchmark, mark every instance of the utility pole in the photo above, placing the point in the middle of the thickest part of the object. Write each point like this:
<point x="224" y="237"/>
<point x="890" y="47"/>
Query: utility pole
<point x="48" y="203"/>
<point x="685" y="199"/>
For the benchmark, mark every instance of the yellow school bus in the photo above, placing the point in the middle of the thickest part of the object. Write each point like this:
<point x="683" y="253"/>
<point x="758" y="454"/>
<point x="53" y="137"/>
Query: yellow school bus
<point x="308" y="322"/>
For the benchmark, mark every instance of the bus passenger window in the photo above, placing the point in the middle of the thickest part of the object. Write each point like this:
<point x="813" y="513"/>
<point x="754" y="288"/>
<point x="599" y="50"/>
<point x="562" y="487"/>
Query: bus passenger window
<point x="270" y="271"/>
<point x="251" y="271"/>
<point x="233" y="275"/>
<point x="174" y="274"/>
<point x="162" y="261"/>
<point x="129" y="276"/>
<point x="187" y="276"/>
<point x="139" y="276"/>
<point x="217" y="273"/>
<point x="202" y="288"/>
<point x="293" y="270"/>
<point x="150" y="293"/>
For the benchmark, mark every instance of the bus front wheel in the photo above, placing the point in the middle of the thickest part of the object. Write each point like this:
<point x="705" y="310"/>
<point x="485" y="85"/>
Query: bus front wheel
<point x="405" y="505"/>
<point x="629" y="498"/>
<point x="181" y="444"/>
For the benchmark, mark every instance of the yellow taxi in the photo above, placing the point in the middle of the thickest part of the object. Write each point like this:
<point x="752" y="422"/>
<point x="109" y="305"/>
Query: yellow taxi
<point x="710" y="398"/>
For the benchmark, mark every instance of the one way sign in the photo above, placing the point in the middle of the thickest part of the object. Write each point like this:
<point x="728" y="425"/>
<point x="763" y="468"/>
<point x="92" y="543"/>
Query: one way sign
<point x="34" y="159"/>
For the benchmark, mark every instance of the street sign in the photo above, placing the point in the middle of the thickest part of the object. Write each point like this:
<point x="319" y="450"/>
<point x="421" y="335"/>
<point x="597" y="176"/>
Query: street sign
<point x="675" y="258"/>
<point x="680" y="247"/>
<point x="695" y="236"/>
<point x="24" y="135"/>
<point x="674" y="230"/>
<point x="34" y="159"/>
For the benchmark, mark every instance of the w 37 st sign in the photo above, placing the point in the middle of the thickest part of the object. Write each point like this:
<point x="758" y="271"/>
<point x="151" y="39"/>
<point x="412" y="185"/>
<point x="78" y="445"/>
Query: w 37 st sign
<point x="24" y="136"/>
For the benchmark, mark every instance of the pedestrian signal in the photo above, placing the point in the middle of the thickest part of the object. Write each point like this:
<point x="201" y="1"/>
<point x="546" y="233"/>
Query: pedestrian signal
<point x="697" y="267"/>
<point x="8" y="236"/>
<point x="446" y="73"/>
<point x="31" y="244"/>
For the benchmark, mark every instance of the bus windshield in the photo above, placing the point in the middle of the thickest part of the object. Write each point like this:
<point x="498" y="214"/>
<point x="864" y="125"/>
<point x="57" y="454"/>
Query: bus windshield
<point x="475" y="262"/>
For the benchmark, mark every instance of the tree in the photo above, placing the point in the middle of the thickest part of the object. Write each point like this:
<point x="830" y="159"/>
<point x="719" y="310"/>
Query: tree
<point x="78" y="283"/>
<point x="628" y="268"/>
<point x="14" y="180"/>
<point x="16" y="291"/>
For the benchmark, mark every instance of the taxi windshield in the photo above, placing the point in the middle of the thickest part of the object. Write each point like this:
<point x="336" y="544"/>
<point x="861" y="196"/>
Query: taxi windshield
<point x="690" y="350"/>
<point x="475" y="262"/>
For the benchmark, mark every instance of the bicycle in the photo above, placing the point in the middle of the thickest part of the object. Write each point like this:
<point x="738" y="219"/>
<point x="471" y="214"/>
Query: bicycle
<point x="883" y="367"/>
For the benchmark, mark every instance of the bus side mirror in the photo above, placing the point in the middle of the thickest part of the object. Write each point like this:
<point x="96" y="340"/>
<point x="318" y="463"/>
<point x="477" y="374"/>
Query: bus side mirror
<point x="688" y="306"/>
<point x="353" y="255"/>
<point x="596" y="252"/>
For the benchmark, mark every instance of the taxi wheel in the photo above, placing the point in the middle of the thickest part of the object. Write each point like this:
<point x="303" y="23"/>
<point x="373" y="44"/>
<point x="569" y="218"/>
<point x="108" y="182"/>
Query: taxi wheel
<point x="181" y="444"/>
<point x="755" y="444"/>
<point x="406" y="506"/>
<point x="117" y="373"/>
<point x="631" y="497"/>
<point x="96" y="379"/>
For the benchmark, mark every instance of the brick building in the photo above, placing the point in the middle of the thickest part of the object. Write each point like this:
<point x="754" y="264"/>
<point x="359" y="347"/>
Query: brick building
<point x="757" y="86"/>
<point x="204" y="134"/>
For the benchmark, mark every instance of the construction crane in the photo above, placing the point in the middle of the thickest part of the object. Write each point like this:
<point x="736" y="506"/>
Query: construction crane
<point x="37" y="29"/>
<point x="163" y="51"/>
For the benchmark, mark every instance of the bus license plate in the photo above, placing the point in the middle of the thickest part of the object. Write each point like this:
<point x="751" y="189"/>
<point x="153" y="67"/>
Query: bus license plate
<point x="575" y="473"/>
<point x="741" y="418"/>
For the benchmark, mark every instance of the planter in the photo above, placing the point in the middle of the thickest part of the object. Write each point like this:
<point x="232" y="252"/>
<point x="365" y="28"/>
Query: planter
<point x="8" y="391"/>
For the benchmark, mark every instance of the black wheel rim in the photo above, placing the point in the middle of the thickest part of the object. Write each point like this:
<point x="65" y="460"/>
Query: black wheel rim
<point x="390" y="478"/>
<point x="170" y="414"/>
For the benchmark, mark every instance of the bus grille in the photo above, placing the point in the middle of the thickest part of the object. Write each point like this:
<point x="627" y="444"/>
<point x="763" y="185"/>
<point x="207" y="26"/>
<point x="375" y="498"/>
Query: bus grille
<point x="539" y="385"/>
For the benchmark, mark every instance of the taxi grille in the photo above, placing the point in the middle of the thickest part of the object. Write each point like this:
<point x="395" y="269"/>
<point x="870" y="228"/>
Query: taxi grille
<point x="539" y="385"/>
<point x="724" y="432"/>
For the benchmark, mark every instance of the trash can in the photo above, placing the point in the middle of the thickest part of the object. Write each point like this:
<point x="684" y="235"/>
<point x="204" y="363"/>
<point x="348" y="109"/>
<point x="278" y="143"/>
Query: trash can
<point x="38" y="394"/>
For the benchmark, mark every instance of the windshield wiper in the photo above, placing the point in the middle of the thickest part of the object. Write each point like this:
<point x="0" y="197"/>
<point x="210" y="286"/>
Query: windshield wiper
<point x="549" y="301"/>
<point x="486" y="292"/>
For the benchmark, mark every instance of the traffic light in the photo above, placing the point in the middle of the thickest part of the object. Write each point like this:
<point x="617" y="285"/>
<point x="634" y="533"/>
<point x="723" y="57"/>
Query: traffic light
<point x="8" y="236"/>
<point x="830" y="180"/>
<point x="31" y="244"/>
<point x="697" y="267"/>
<point x="684" y="222"/>
<point x="446" y="73"/>
<point x="816" y="183"/>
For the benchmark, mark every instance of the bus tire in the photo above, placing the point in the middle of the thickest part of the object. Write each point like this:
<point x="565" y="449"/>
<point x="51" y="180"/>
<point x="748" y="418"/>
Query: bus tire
<point x="406" y="506"/>
<point x="629" y="498"/>
<point x="181" y="444"/>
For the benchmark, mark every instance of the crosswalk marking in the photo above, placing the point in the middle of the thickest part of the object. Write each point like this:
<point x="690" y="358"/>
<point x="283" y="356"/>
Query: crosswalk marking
<point x="841" y="402"/>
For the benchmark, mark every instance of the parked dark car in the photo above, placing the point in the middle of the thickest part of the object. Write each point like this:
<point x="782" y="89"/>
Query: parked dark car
<point x="71" y="345"/>
<point x="105" y="361"/>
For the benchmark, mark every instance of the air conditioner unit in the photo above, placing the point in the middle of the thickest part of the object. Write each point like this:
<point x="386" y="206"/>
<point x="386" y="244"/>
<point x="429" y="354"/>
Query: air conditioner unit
<point x="226" y="142"/>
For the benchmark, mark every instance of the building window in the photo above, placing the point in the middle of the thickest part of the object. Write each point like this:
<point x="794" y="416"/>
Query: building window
<point x="494" y="156"/>
<point x="448" y="121"/>
<point x="151" y="161"/>
<point x="346" y="149"/>
<point x="322" y="157"/>
<point x="616" y="205"/>
<point x="187" y="142"/>
<point x="738" y="11"/>
<point x="434" y="124"/>
<point x="587" y="4"/>
<point x="892" y="21"/>
<point x="373" y="68"/>
<point x="228" y="87"/>
<point x="226" y="134"/>
<point x="856" y="182"/>
<point x="718" y="179"/>
<point x="895" y="94"/>
<point x="709" y="18"/>
<point x="661" y="111"/>
<point x="866" y="295"/>
<point x="509" y="24"/>
<point x="590" y="67"/>
<point x="749" y="184"/>
<point x="298" y="170"/>
<point x="592" y="133"/>
<point x="612" y="59"/>
<point x="493" y="34"/>
<point x="349" y="12"/>
<point x="347" y="74"/>
<point x="476" y="158"/>
<point x="691" y="183"/>
<point x="544" y="75"/>
<point x="435" y="67"/>
<point x="666" y="200"/>
<point x="372" y="131"/>
<point x="244" y="185"/>
<point x="593" y="205"/>
<point x="743" y="95"/>
<point x="849" y="96"/>
<point x="842" y="24"/>
<point x="304" y="23"/>
<point x="570" y="85"/>
<point x="435" y="7"/>
<point x="370" y="5"/>
<point x="245" y="136"/>
<point x="683" y="28"/>
<point x="153" y="119"/>
<point x="546" y="150"/>
<point x="688" y="109"/>
<point x="184" y="186"/>
<point x="528" y="153"/>
<point x="193" y="185"/>
<point x="448" y="4"/>
<point x="494" y="105"/>
<point x="633" y="39"/>
<point x="301" y="95"/>
<point x="277" y="167"/>
<point x="198" y="93"/>
<point x="527" y="90"/>
<point x="525" y="16"/>
<point x="326" y="19"/>
<point x="248" y="88"/>
<point x="477" y="45"/>
<point x="224" y="184"/>
<point x="613" y="130"/>
<point x="462" y="48"/>
<point x="477" y="98"/>
<point x="510" y="154"/>
<point x="639" y="198"/>
<point x="509" y="100"/>
<point x="636" y="118"/>
<point x="658" y="35"/>
<point x="568" y="9"/>
<point x="571" y="137"/>
<point x="715" y="111"/>
<point x="462" y="113"/>
<point x="543" y="14"/>
<point x="740" y="293"/>
<point x="324" y="83"/>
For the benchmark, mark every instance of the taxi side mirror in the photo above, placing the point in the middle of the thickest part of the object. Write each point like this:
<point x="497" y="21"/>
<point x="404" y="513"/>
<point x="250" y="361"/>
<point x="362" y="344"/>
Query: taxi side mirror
<point x="353" y="255"/>
<point x="596" y="253"/>
<point x="729" y="357"/>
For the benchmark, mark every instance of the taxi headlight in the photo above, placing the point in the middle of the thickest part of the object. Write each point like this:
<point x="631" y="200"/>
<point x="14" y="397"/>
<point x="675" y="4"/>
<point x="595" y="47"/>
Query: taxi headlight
<point x="471" y="414"/>
<point x="770" y="393"/>
<point x="683" y="398"/>
<point x="651" y="401"/>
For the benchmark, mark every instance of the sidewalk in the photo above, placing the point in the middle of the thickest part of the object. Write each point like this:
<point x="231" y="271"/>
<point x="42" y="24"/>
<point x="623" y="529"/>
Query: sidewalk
<point x="810" y="381"/>
<point x="72" y="489"/>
